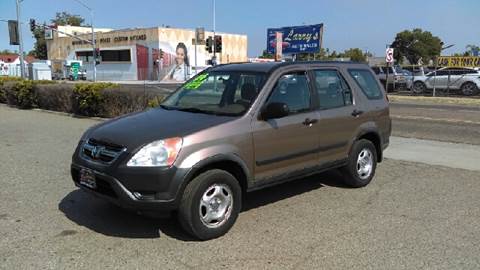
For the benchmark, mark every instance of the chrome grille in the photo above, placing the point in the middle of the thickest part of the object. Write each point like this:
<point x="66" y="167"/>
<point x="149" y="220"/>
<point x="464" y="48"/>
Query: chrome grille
<point x="101" y="151"/>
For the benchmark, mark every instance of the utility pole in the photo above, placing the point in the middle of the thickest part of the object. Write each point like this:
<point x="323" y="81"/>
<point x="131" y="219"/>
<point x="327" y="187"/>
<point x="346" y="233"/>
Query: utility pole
<point x="19" y="25"/>
<point x="214" y="26"/>
<point x="94" y="51"/>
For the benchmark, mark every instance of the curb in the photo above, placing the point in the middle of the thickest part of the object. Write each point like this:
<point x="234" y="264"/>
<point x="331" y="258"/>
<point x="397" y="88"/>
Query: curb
<point x="435" y="100"/>
<point x="100" y="119"/>
<point x="443" y="120"/>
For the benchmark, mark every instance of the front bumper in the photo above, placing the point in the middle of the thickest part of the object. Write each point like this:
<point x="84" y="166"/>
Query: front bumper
<point x="111" y="189"/>
<point x="136" y="188"/>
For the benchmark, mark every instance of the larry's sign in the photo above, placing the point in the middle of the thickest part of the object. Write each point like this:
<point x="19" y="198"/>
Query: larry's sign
<point x="296" y="39"/>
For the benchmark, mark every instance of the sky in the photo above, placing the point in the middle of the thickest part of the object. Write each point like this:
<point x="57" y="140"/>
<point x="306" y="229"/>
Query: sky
<point x="365" y="24"/>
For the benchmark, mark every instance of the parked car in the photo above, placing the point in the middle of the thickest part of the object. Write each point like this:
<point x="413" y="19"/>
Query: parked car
<point x="233" y="129"/>
<point x="81" y="75"/>
<point x="416" y="70"/>
<point x="465" y="80"/>
<point x="396" y="77"/>
<point x="409" y="78"/>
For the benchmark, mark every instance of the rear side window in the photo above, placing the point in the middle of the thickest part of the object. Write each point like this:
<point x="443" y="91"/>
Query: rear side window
<point x="367" y="83"/>
<point x="332" y="90"/>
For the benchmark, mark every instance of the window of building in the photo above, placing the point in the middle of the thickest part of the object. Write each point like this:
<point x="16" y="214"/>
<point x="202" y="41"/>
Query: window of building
<point x="367" y="82"/>
<point x="115" y="55"/>
<point x="106" y="56"/>
<point x="85" y="56"/>
<point x="332" y="90"/>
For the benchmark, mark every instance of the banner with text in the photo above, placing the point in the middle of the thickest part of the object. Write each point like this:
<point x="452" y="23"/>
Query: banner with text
<point x="453" y="61"/>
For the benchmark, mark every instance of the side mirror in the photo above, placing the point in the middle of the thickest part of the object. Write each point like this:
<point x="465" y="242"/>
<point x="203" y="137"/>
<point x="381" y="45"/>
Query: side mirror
<point x="275" y="110"/>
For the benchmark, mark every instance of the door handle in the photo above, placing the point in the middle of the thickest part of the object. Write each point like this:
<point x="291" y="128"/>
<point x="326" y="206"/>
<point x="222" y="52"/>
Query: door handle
<point x="356" y="113"/>
<point x="309" y="122"/>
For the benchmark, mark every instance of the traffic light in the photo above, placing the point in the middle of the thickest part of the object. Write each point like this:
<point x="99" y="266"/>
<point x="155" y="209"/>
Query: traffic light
<point x="209" y="44"/>
<point x="218" y="44"/>
<point x="32" y="25"/>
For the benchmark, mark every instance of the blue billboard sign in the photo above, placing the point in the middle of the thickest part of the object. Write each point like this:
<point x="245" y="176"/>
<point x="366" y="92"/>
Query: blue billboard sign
<point x="297" y="39"/>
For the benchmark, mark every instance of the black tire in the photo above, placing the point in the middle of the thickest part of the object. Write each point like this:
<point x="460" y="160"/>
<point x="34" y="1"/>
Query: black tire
<point x="190" y="206"/>
<point x="352" y="177"/>
<point x="419" y="87"/>
<point x="469" y="89"/>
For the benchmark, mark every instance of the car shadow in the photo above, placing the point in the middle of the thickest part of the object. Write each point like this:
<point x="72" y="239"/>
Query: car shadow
<point x="293" y="188"/>
<point x="110" y="220"/>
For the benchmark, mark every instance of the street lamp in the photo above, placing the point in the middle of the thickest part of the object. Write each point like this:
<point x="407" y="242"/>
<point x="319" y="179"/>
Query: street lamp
<point x="94" y="52"/>
<point x="436" y="66"/>
<point x="20" y="40"/>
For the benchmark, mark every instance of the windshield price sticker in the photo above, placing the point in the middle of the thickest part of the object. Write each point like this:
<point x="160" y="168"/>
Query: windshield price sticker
<point x="197" y="82"/>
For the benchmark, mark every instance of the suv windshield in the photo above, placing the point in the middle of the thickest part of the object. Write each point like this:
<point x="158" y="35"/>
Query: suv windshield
<point x="219" y="93"/>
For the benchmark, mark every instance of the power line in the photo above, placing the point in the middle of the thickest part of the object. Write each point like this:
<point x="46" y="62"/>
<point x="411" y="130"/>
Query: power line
<point x="83" y="4"/>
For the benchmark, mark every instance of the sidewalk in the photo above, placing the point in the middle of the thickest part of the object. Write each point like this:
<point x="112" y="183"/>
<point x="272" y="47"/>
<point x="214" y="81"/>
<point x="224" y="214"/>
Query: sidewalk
<point x="453" y="155"/>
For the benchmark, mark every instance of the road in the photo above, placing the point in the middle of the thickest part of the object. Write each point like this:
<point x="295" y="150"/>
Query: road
<point x="449" y="123"/>
<point x="412" y="216"/>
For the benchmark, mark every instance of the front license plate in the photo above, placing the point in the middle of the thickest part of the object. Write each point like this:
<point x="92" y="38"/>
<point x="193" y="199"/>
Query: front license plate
<point x="87" y="178"/>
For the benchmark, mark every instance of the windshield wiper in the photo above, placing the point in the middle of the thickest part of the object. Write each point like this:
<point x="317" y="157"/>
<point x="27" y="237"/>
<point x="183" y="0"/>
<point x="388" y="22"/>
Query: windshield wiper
<point x="168" y="107"/>
<point x="197" y="110"/>
<point x="192" y="110"/>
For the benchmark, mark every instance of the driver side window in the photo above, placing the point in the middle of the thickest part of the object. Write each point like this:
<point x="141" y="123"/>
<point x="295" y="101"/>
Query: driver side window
<point x="292" y="89"/>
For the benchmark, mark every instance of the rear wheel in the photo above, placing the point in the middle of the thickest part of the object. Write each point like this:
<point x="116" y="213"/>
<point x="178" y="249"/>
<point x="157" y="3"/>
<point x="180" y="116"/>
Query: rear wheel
<point x="210" y="204"/>
<point x="361" y="165"/>
<point x="419" y="87"/>
<point x="469" y="89"/>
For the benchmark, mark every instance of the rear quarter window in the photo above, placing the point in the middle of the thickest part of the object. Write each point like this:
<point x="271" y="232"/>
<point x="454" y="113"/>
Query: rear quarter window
<point x="367" y="83"/>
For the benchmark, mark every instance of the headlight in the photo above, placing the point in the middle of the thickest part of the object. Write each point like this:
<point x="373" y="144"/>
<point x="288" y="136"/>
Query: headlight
<point x="158" y="153"/>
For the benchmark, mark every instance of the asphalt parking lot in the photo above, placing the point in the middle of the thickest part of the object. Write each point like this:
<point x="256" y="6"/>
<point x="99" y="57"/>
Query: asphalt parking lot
<point x="412" y="216"/>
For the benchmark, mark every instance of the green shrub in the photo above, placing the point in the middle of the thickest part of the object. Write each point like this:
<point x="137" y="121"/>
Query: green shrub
<point x="3" y="98"/>
<point x="45" y="82"/>
<point x="87" y="98"/>
<point x="4" y="79"/>
<point x="56" y="97"/>
<point x="19" y="93"/>
<point x="26" y="96"/>
<point x="155" y="101"/>
<point x="4" y="83"/>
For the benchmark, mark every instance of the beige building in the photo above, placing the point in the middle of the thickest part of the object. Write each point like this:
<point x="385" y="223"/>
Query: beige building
<point x="135" y="54"/>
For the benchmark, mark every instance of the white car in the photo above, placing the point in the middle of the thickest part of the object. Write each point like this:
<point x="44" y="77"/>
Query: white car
<point x="466" y="80"/>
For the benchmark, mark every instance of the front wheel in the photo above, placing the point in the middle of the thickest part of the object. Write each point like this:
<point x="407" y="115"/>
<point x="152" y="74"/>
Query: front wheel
<point x="419" y="88"/>
<point x="361" y="165"/>
<point x="469" y="89"/>
<point x="210" y="204"/>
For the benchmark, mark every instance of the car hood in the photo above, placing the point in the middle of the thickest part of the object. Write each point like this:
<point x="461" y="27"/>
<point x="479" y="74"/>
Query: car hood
<point x="137" y="129"/>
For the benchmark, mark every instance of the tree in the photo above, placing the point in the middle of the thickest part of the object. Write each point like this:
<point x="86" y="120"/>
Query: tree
<point x="472" y="50"/>
<point x="61" y="18"/>
<point x="40" y="47"/>
<point x="416" y="44"/>
<point x="6" y="52"/>
<point x="266" y="55"/>
<point x="65" y="18"/>
<point x="355" y="55"/>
